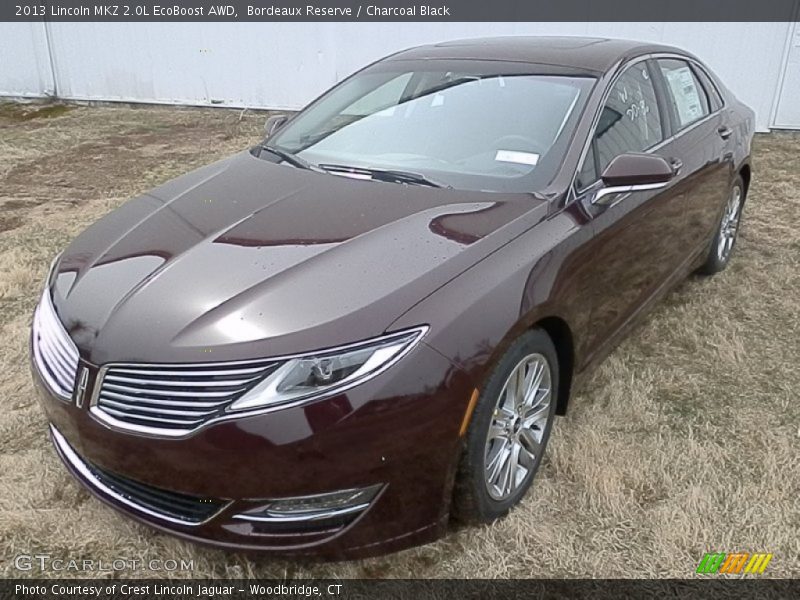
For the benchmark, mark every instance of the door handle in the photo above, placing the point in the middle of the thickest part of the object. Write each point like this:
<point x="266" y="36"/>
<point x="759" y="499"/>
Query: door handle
<point x="725" y="132"/>
<point x="676" y="164"/>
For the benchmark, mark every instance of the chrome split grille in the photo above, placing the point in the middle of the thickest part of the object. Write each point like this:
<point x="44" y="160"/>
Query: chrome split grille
<point x="172" y="399"/>
<point x="54" y="353"/>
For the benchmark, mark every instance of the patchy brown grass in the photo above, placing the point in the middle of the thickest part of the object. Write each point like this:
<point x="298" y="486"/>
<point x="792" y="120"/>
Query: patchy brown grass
<point x="15" y="111"/>
<point x="685" y="442"/>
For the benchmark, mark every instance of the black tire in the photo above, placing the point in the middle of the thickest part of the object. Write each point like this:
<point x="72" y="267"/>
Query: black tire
<point x="472" y="501"/>
<point x="718" y="259"/>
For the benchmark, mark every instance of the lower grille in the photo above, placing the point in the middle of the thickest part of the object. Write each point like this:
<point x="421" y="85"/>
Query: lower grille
<point x="172" y="504"/>
<point x="163" y="504"/>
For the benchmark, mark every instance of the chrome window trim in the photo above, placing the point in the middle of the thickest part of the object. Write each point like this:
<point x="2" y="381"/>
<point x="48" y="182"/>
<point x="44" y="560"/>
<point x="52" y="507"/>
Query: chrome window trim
<point x="160" y="432"/>
<point x="76" y="462"/>
<point x="574" y="192"/>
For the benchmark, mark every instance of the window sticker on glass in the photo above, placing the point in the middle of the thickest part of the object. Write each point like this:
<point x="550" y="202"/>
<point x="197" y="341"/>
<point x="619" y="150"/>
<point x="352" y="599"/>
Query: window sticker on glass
<point x="515" y="156"/>
<point x="686" y="94"/>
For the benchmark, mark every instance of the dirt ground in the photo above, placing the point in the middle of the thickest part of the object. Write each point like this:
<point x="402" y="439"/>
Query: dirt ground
<point x="685" y="442"/>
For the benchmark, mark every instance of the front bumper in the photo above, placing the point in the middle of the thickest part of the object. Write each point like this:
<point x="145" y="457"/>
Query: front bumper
<point x="397" y="434"/>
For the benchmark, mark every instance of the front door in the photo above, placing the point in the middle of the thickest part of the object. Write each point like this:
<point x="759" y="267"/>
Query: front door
<point x="635" y="248"/>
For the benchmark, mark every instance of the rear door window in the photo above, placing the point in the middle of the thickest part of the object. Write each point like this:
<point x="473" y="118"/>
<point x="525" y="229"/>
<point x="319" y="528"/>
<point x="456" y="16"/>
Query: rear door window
<point x="685" y="94"/>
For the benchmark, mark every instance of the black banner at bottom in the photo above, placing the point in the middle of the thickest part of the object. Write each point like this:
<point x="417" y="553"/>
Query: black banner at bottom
<point x="346" y="589"/>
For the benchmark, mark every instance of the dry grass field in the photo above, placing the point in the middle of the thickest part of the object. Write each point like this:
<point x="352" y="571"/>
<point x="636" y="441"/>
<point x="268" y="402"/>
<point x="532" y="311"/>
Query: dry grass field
<point x="687" y="439"/>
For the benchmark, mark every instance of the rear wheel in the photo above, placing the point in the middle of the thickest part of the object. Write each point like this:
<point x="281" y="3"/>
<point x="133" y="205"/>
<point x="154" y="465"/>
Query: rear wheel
<point x="509" y="430"/>
<point x="727" y="232"/>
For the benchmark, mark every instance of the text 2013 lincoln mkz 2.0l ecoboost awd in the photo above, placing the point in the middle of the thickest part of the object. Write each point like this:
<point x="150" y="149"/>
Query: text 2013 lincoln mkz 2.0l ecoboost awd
<point x="335" y="341"/>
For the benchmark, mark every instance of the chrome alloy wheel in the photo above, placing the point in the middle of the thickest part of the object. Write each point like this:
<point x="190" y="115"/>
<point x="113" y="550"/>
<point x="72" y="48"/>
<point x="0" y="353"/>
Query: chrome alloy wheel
<point x="514" y="443"/>
<point x="729" y="226"/>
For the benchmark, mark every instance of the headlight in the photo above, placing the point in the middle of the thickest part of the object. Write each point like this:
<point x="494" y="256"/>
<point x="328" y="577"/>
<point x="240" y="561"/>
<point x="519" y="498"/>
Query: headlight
<point x="311" y="376"/>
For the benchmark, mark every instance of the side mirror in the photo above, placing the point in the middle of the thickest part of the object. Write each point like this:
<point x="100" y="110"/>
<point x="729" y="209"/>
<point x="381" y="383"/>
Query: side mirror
<point x="634" y="173"/>
<point x="274" y="123"/>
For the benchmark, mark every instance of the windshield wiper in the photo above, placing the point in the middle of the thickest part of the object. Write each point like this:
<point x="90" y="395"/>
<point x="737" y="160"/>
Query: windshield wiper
<point x="290" y="158"/>
<point x="390" y="175"/>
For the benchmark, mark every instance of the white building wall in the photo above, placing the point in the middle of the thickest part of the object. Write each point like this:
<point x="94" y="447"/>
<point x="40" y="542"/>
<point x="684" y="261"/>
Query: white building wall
<point x="284" y="65"/>
<point x="24" y="62"/>
<point x="787" y="109"/>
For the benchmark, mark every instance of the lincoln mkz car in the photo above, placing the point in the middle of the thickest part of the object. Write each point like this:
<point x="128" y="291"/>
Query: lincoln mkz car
<point x="339" y="340"/>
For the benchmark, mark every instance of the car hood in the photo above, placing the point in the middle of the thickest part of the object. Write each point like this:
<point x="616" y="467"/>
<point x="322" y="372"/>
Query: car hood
<point x="247" y="258"/>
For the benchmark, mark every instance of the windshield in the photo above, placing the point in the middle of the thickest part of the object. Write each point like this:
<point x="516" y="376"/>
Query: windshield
<point x="487" y="126"/>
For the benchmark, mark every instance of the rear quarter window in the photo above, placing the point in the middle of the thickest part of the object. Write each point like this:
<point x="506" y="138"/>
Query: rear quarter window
<point x="714" y="97"/>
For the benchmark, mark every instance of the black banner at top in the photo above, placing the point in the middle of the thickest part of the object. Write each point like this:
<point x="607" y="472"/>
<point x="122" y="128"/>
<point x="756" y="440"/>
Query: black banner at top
<point x="398" y="10"/>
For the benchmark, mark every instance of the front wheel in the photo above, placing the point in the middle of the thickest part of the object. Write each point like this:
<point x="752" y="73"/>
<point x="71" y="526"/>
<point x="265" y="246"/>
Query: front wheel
<point x="725" y="238"/>
<point x="508" y="433"/>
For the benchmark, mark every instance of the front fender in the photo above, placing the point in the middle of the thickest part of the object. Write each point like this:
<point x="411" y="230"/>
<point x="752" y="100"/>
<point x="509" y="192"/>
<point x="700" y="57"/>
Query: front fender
<point x="541" y="274"/>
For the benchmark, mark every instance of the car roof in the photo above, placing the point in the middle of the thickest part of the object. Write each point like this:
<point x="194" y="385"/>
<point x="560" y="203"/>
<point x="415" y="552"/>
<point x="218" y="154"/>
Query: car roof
<point x="596" y="55"/>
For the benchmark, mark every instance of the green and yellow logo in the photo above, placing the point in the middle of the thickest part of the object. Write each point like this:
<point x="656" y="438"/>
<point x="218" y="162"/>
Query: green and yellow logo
<point x="734" y="563"/>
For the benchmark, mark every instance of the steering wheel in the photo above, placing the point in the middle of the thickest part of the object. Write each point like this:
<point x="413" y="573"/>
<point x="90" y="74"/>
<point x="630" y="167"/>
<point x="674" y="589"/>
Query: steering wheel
<point x="520" y="143"/>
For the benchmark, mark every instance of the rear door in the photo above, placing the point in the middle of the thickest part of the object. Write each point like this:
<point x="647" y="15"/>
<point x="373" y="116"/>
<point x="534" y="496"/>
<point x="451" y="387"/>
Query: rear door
<point x="702" y="143"/>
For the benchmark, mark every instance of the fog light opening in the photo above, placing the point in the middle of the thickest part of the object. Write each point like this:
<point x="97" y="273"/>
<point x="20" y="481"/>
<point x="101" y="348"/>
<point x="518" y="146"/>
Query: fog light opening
<point x="314" y="508"/>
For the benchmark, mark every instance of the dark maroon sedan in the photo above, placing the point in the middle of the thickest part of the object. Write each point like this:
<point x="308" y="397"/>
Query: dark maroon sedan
<point x="335" y="341"/>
